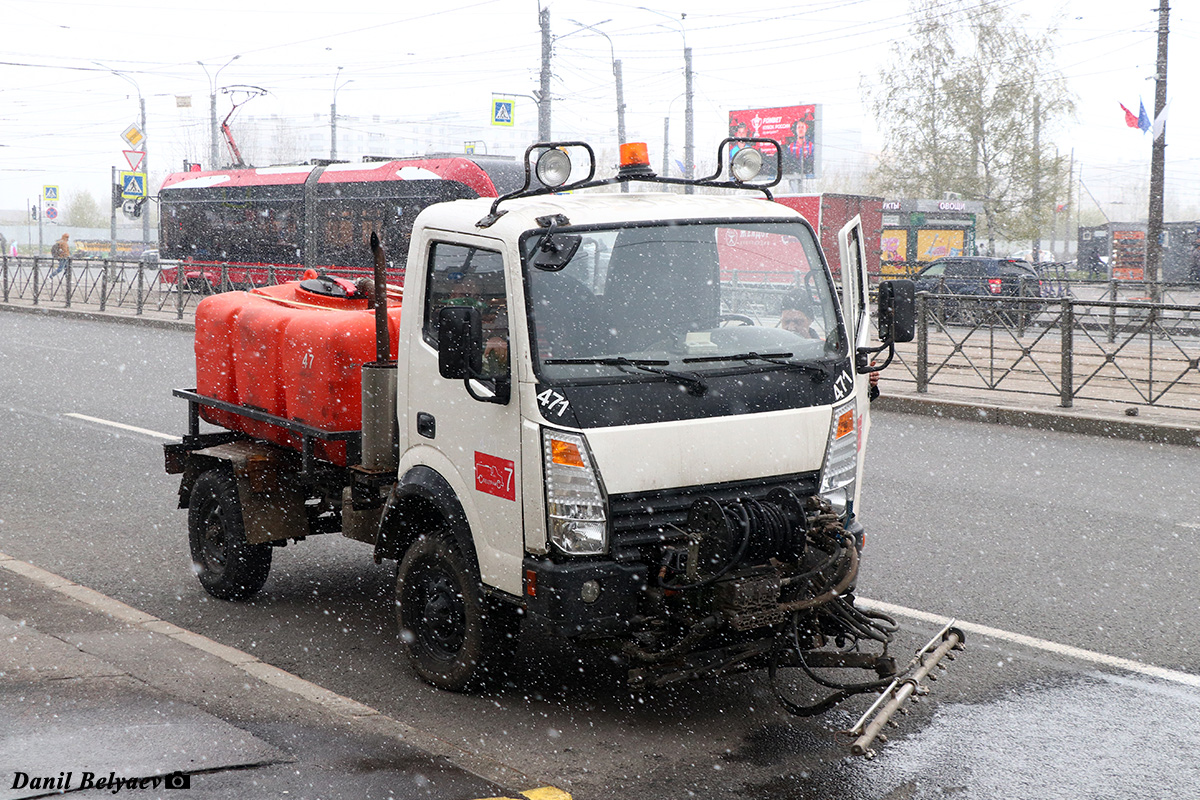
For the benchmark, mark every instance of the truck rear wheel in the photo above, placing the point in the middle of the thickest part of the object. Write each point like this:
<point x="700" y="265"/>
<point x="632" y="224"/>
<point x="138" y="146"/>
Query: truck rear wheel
<point x="229" y="567"/>
<point x="456" y="636"/>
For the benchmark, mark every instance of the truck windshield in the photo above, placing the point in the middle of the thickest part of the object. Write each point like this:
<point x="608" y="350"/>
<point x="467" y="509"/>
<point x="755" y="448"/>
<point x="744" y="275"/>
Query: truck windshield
<point x="691" y="298"/>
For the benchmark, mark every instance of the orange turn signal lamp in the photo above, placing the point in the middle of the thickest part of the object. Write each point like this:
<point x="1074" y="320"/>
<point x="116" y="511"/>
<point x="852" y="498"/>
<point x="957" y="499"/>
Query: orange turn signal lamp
<point x="565" y="453"/>
<point x="845" y="424"/>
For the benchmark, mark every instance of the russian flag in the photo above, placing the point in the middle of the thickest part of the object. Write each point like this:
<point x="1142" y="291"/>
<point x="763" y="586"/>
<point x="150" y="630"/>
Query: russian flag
<point x="1130" y="119"/>
<point x="1143" y="117"/>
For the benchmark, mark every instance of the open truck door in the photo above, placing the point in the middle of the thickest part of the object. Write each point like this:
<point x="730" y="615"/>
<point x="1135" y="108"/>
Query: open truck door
<point x="858" y="319"/>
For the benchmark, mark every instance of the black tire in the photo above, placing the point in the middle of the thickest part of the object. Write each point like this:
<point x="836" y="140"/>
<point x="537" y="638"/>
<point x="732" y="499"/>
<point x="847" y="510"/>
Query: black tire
<point x="229" y="567"/>
<point x="457" y="638"/>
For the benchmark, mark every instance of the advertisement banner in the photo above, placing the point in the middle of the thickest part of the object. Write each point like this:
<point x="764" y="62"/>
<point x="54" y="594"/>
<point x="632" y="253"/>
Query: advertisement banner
<point x="939" y="244"/>
<point x="1128" y="255"/>
<point x="759" y="257"/>
<point x="893" y="245"/>
<point x="794" y="127"/>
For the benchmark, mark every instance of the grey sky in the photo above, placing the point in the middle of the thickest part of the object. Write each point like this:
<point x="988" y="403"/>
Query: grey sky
<point x="63" y="115"/>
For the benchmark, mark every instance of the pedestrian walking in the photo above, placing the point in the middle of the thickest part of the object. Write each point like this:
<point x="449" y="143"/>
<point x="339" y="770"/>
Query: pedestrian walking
<point x="61" y="250"/>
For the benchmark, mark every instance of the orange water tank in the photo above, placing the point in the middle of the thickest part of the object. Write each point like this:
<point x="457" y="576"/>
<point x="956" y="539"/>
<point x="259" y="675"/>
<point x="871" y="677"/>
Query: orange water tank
<point x="294" y="350"/>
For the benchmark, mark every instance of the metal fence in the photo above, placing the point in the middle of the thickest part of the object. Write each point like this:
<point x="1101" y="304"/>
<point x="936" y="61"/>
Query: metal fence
<point x="166" y="287"/>
<point x="1129" y="351"/>
<point x="1095" y="340"/>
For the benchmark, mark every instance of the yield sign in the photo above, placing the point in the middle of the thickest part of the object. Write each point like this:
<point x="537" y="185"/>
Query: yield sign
<point x="134" y="157"/>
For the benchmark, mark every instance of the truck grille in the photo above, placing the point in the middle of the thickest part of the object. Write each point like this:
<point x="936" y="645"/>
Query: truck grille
<point x="640" y="518"/>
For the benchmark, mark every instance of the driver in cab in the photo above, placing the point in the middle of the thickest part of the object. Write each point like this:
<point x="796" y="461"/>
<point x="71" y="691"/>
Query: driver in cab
<point x="800" y="317"/>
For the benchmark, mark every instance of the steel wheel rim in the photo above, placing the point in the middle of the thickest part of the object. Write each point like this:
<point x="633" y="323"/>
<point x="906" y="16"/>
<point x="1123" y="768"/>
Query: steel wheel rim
<point x="212" y="542"/>
<point x="441" y="622"/>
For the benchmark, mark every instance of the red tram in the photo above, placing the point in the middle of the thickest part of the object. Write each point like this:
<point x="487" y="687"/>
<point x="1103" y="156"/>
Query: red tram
<point x="257" y="226"/>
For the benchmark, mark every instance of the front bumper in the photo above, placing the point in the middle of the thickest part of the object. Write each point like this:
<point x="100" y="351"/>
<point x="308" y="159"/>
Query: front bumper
<point x="555" y="593"/>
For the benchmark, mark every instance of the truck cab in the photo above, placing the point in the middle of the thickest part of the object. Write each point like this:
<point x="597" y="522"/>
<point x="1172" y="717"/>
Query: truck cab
<point x="638" y="384"/>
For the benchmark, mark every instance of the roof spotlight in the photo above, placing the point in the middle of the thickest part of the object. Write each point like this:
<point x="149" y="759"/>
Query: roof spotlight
<point x="553" y="167"/>
<point x="746" y="164"/>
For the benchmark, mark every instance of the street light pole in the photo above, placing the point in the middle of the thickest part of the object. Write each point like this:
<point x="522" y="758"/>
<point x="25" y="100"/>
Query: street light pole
<point x="689" y="148"/>
<point x="616" y="65"/>
<point x="213" y="155"/>
<point x="544" y="86"/>
<point x="145" y="148"/>
<point x="333" y="115"/>
<point x="689" y="141"/>
<point x="146" y="172"/>
<point x="1158" y="157"/>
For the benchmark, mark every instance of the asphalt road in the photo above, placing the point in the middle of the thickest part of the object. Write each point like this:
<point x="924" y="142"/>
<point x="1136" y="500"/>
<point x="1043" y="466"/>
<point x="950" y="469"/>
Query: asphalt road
<point x="1069" y="539"/>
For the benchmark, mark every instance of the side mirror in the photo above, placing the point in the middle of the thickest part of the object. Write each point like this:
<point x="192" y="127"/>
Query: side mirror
<point x="897" y="311"/>
<point x="460" y="342"/>
<point x="555" y="250"/>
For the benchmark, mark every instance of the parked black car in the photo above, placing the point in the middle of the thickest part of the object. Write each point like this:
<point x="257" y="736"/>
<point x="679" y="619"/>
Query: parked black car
<point x="982" y="276"/>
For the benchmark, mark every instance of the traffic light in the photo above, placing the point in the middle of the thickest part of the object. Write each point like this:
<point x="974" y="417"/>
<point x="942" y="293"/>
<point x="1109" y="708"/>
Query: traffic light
<point x="117" y="200"/>
<point x="33" y="212"/>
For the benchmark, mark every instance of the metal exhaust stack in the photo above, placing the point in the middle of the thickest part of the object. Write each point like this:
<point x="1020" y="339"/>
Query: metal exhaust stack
<point x="901" y="689"/>
<point x="379" y="426"/>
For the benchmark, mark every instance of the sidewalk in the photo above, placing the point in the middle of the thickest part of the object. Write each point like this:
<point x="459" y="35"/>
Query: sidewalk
<point x="93" y="692"/>
<point x="1043" y="412"/>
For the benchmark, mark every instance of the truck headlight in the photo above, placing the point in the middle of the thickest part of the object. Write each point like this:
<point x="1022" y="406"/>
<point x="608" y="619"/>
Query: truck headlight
<point x="841" y="457"/>
<point x="575" y="506"/>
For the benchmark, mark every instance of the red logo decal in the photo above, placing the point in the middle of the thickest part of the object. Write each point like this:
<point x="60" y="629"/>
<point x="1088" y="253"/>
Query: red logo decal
<point x="495" y="476"/>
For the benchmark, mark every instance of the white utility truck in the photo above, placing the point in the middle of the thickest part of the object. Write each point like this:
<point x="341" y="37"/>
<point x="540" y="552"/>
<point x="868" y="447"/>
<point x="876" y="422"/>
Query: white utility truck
<point x="582" y="407"/>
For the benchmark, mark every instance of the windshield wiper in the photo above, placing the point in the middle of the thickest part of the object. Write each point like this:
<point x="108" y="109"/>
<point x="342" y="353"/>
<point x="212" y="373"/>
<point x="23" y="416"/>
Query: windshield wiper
<point x="818" y="369"/>
<point x="696" y="385"/>
<point x="751" y="356"/>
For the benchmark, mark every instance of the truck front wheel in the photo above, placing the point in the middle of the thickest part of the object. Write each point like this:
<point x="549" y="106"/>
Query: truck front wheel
<point x="229" y="567"/>
<point x="455" y="635"/>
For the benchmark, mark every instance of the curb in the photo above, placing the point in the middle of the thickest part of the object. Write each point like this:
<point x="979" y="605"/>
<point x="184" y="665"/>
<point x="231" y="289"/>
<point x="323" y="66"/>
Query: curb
<point x="102" y="316"/>
<point x="340" y="706"/>
<point x="1159" y="433"/>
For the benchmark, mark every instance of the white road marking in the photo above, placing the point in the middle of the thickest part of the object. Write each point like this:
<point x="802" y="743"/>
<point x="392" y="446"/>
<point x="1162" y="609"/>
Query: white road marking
<point x="477" y="763"/>
<point x="1066" y="650"/>
<point x="124" y="427"/>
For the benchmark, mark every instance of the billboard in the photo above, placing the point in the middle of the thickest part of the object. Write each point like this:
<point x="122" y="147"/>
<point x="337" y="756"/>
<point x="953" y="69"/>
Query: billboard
<point x="934" y="244"/>
<point x="1128" y="258"/>
<point x="794" y="127"/>
<point x="894" y="244"/>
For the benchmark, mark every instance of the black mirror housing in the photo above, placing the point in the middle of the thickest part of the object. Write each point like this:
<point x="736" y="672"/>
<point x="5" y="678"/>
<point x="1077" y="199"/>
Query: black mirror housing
<point x="897" y="311"/>
<point x="460" y="342"/>
<point x="555" y="251"/>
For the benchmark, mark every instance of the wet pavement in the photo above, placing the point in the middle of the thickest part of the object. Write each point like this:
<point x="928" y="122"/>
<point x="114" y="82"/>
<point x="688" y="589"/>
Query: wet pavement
<point x="91" y="685"/>
<point x="94" y="694"/>
<point x="95" y="688"/>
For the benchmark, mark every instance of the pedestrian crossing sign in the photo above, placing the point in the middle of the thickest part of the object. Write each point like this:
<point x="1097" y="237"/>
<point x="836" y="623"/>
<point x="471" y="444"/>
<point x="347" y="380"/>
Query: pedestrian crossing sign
<point x="502" y="111"/>
<point x="133" y="185"/>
